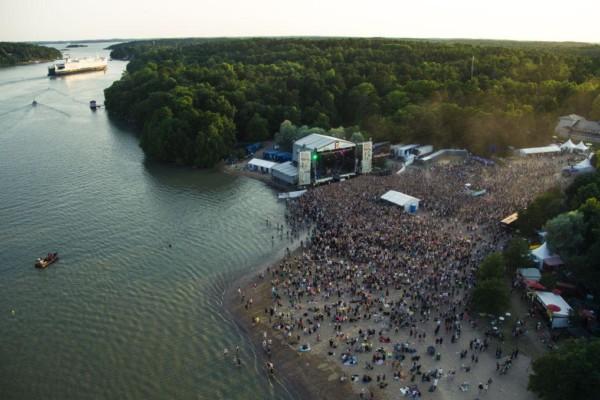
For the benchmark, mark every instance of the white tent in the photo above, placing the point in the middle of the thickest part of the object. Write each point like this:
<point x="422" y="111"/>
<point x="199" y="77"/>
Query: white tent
<point x="540" y="254"/>
<point x="584" y="166"/>
<point x="532" y="274"/>
<point x="553" y="148"/>
<point x="409" y="203"/>
<point x="581" y="146"/>
<point x="580" y="168"/>
<point x="568" y="146"/>
<point x="558" y="309"/>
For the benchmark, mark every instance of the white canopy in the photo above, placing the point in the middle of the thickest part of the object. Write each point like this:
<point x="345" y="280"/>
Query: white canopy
<point x="541" y="253"/>
<point x="401" y="199"/>
<point x="533" y="274"/>
<point x="581" y="146"/>
<point x="584" y="166"/>
<point x="540" y="150"/>
<point x="547" y="298"/>
<point x="568" y="145"/>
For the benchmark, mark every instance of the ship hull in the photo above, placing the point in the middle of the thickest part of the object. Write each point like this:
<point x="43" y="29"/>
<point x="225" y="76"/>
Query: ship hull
<point x="54" y="72"/>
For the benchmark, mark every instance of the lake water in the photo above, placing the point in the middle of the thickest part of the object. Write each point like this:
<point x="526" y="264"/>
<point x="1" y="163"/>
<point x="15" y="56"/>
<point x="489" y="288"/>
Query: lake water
<point x="122" y="315"/>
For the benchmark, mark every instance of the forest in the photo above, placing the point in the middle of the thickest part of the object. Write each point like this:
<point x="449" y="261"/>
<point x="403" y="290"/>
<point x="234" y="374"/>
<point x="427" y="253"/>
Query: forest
<point x="193" y="100"/>
<point x="22" y="53"/>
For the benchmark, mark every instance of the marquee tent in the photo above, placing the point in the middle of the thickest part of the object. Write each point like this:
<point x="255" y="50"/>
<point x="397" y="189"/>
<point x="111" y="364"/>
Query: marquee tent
<point x="584" y="166"/>
<point x="581" y="146"/>
<point x="542" y="254"/>
<point x="568" y="146"/>
<point x="409" y="203"/>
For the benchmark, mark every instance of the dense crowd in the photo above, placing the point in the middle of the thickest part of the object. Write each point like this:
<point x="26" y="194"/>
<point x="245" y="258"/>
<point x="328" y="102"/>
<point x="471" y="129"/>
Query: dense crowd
<point x="373" y="284"/>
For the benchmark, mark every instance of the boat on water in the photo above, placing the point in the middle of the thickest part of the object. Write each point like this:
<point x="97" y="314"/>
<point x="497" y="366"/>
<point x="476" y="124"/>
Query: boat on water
<point x="77" y="65"/>
<point x="51" y="258"/>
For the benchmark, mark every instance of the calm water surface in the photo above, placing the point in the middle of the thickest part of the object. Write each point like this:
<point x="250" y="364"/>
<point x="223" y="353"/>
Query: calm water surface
<point x="122" y="315"/>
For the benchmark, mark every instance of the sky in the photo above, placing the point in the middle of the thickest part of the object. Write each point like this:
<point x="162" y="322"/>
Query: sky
<point x="548" y="20"/>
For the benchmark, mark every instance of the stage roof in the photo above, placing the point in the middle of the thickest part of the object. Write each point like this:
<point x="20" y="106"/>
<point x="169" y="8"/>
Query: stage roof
<point x="317" y="141"/>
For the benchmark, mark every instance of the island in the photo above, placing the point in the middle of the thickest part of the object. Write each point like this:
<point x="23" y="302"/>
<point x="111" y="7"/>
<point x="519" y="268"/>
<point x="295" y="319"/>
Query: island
<point x="71" y="46"/>
<point x="25" y="53"/>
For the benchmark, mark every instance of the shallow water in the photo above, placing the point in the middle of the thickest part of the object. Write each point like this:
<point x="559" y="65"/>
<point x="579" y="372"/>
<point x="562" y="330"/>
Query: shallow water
<point x="122" y="314"/>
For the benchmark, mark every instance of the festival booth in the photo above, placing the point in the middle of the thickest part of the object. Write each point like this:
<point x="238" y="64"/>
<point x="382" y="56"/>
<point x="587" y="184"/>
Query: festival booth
<point x="557" y="309"/>
<point x="543" y="257"/>
<point x="531" y="274"/>
<point x="409" y="203"/>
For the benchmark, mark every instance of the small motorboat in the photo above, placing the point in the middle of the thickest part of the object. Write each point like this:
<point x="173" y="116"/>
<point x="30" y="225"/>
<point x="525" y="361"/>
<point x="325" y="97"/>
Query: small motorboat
<point x="51" y="258"/>
<point x="93" y="105"/>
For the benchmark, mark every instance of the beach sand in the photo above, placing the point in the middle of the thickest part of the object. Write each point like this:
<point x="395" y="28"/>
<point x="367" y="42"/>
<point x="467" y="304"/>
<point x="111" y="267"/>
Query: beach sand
<point x="315" y="375"/>
<point x="305" y="375"/>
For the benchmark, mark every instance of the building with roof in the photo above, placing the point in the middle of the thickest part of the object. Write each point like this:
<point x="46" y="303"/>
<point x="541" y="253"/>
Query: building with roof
<point x="259" y="165"/>
<point x="404" y="151"/>
<point x="409" y="203"/>
<point x="578" y="128"/>
<point x="286" y="173"/>
<point x="443" y="154"/>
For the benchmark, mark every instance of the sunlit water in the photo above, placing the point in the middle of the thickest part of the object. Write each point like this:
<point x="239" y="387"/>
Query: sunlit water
<point x="122" y="315"/>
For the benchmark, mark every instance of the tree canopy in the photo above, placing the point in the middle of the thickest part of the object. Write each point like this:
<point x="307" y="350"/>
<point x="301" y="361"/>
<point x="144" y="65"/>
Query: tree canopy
<point x="394" y="90"/>
<point x="573" y="227"/>
<point x="21" y="53"/>
<point x="570" y="372"/>
<point x="516" y="255"/>
<point x="491" y="293"/>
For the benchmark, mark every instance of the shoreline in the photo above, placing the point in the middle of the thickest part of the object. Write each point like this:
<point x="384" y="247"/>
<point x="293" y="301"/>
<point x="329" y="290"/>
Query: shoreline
<point x="302" y="375"/>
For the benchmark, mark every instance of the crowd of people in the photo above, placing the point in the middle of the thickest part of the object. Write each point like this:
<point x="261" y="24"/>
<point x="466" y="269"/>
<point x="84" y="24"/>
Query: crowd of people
<point x="386" y="293"/>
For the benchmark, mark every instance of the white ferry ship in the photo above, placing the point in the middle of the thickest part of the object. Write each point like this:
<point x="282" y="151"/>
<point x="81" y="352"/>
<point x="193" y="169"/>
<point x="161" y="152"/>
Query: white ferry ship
<point x="77" y="65"/>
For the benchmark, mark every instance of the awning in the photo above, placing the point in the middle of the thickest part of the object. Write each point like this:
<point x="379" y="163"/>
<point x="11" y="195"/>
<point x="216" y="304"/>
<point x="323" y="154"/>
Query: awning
<point x="554" y="261"/>
<point x="510" y="219"/>
<point x="534" y="285"/>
